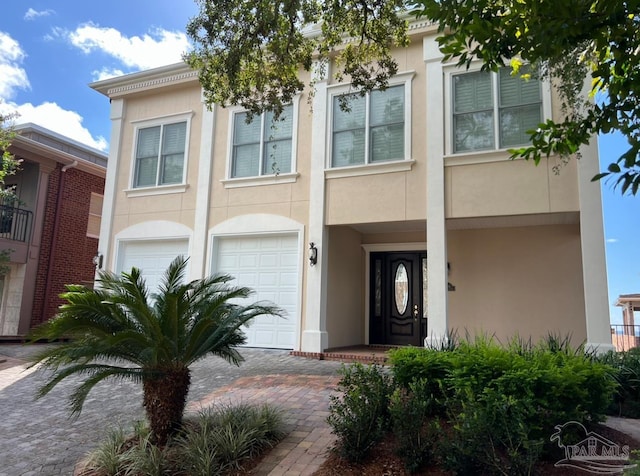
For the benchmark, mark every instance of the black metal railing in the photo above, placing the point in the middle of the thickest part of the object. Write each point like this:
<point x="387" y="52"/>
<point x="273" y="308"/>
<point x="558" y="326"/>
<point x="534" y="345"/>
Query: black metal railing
<point x="625" y="336"/>
<point x="14" y="223"/>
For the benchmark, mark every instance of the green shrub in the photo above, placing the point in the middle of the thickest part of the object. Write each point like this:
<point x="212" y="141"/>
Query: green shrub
<point x="503" y="402"/>
<point x="490" y="436"/>
<point x="626" y="401"/>
<point x="432" y="367"/>
<point x="360" y="415"/>
<point x="412" y="426"/>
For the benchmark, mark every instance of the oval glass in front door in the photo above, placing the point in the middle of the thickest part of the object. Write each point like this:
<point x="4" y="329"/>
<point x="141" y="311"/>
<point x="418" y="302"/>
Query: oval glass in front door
<point x="401" y="288"/>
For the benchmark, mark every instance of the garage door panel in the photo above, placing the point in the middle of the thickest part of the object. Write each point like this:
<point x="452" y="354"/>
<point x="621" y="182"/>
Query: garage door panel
<point x="151" y="257"/>
<point x="269" y="260"/>
<point x="268" y="265"/>
<point x="248" y="261"/>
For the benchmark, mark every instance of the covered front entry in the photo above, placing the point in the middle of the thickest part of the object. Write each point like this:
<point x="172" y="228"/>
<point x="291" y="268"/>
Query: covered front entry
<point x="398" y="291"/>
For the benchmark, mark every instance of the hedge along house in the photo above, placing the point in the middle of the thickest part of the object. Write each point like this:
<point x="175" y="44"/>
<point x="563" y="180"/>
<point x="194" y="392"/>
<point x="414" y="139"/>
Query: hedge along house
<point x="393" y="224"/>
<point x="52" y="230"/>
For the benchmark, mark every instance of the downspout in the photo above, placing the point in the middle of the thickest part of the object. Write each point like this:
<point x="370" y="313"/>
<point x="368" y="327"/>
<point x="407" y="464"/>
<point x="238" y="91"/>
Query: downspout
<point x="54" y="233"/>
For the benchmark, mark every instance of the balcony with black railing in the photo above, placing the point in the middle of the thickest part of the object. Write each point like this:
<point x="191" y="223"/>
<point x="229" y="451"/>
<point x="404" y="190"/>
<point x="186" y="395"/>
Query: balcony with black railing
<point x="15" y="223"/>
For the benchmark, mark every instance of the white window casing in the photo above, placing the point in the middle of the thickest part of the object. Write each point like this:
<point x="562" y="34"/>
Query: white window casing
<point x="488" y="113"/>
<point x="374" y="134"/>
<point x="160" y="155"/>
<point x="263" y="151"/>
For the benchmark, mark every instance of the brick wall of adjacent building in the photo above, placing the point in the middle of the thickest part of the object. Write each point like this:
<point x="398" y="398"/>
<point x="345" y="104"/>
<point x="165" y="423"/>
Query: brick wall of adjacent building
<point x="72" y="249"/>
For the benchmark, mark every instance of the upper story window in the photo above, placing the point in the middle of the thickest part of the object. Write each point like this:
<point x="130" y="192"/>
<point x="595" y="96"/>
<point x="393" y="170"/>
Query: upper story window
<point x="160" y="155"/>
<point x="264" y="146"/>
<point x="373" y="129"/>
<point x="493" y="110"/>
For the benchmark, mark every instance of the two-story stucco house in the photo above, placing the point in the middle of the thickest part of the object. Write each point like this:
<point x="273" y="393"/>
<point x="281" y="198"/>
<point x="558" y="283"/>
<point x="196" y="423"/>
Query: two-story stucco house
<point x="419" y="222"/>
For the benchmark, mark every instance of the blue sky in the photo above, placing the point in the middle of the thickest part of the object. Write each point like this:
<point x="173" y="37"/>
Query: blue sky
<point x="51" y="49"/>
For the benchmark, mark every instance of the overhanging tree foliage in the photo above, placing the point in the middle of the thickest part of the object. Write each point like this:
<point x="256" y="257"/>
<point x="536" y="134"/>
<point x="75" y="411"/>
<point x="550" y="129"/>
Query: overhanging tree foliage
<point x="250" y="53"/>
<point x="9" y="164"/>
<point x="570" y="41"/>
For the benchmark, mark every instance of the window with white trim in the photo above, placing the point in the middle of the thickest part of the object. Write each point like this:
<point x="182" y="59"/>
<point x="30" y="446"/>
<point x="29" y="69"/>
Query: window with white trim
<point x="160" y="155"/>
<point x="373" y="130"/>
<point x="493" y="110"/>
<point x="264" y="146"/>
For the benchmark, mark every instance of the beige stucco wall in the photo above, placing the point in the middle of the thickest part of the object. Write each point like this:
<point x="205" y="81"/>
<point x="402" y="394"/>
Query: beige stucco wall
<point x="178" y="206"/>
<point x="517" y="280"/>
<point x="510" y="187"/>
<point x="345" y="288"/>
<point x="290" y="200"/>
<point x="388" y="196"/>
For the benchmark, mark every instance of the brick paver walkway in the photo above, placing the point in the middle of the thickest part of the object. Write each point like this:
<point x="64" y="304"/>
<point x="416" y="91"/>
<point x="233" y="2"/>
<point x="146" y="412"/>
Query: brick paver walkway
<point x="304" y="401"/>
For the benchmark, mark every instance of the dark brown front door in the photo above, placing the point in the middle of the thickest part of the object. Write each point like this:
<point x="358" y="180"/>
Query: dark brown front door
<point x="397" y="304"/>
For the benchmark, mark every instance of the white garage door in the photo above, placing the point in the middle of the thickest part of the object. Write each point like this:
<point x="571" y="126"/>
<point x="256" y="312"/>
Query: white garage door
<point x="269" y="265"/>
<point x="151" y="257"/>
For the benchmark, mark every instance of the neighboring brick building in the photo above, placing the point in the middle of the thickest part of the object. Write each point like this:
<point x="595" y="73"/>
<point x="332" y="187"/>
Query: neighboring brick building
<point x="54" y="230"/>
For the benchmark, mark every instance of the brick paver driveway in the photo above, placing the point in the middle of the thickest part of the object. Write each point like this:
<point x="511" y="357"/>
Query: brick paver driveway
<point x="40" y="437"/>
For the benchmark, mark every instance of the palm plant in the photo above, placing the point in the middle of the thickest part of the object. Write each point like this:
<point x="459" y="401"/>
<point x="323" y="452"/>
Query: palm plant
<point x="120" y="330"/>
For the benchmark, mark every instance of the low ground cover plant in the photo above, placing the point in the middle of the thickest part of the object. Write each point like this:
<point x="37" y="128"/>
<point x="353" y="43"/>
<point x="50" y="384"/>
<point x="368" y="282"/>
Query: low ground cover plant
<point x="479" y="407"/>
<point x="216" y="441"/>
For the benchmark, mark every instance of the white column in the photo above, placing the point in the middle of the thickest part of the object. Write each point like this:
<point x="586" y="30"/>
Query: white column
<point x="594" y="268"/>
<point x="113" y="165"/>
<point x="197" y="266"/>
<point x="314" y="336"/>
<point x="437" y="324"/>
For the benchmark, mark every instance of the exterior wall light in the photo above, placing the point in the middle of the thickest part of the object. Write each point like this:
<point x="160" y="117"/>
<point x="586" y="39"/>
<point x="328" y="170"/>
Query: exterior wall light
<point x="97" y="260"/>
<point x="313" y="254"/>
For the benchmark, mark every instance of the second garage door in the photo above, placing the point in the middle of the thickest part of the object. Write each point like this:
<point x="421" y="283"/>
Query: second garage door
<point x="269" y="265"/>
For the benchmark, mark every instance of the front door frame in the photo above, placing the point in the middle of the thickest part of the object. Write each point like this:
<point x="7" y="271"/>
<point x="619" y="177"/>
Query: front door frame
<point x="375" y="248"/>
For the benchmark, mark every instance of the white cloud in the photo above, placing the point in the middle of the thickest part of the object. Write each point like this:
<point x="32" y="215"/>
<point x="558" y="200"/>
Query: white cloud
<point x="612" y="240"/>
<point x="32" y="14"/>
<point x="51" y="116"/>
<point x="12" y="74"/>
<point x="157" y="48"/>
<point x="106" y="73"/>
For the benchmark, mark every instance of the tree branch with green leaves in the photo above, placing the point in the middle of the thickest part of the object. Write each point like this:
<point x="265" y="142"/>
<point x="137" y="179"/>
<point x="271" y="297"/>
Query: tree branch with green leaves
<point x="251" y="54"/>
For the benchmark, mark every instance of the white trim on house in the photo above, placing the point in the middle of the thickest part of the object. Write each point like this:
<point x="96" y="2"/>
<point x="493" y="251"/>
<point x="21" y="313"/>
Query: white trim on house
<point x="113" y="168"/>
<point x="594" y="267"/>
<point x="437" y="291"/>
<point x="314" y="336"/>
<point x="203" y="191"/>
